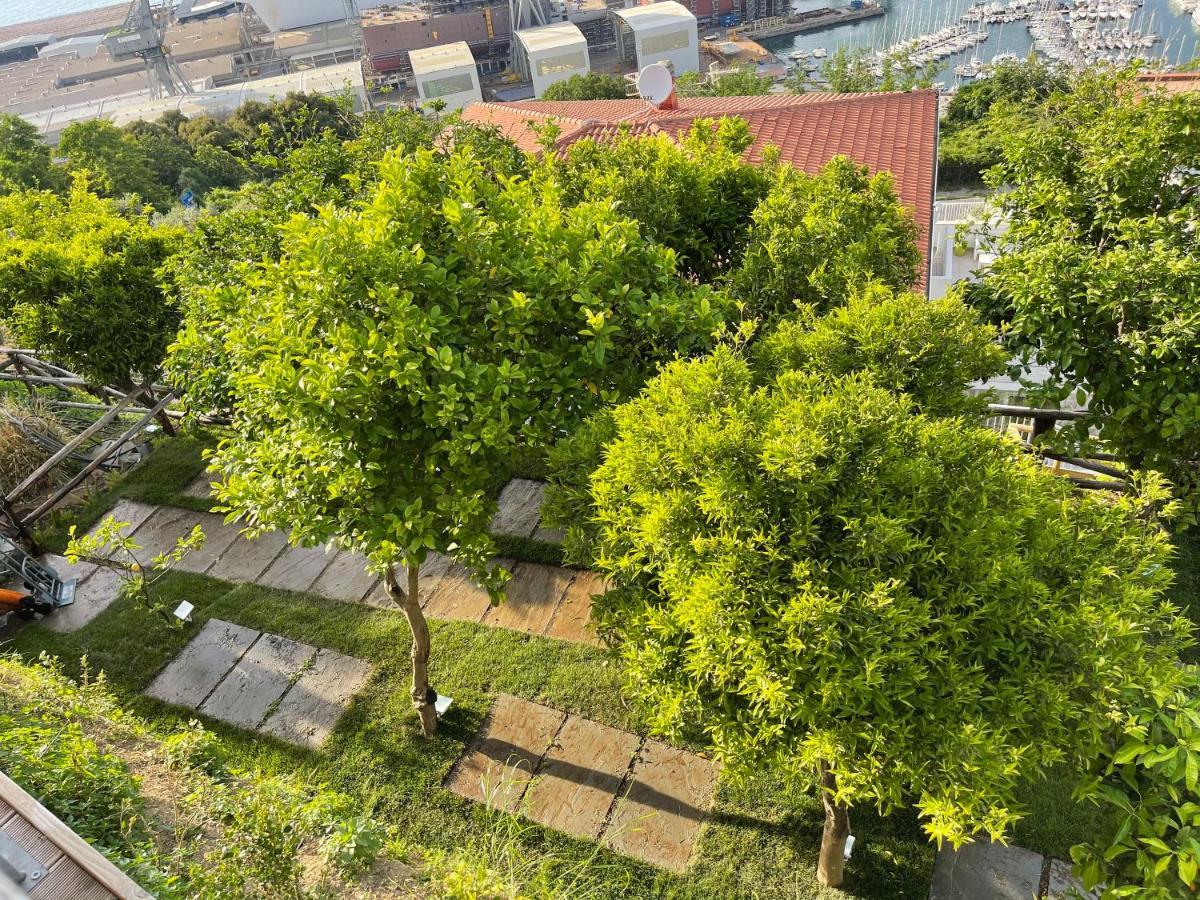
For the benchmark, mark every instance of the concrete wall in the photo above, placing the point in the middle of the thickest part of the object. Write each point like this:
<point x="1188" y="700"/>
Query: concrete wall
<point x="388" y="43"/>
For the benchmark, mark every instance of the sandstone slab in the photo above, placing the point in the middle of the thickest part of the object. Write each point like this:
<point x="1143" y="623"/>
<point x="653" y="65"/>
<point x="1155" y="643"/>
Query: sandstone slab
<point x="159" y="532"/>
<point x="345" y="578"/>
<point x="498" y="766"/>
<point x="247" y="693"/>
<point x="578" y="780"/>
<point x="1065" y="886"/>
<point x="246" y="559"/>
<point x="571" y="619"/>
<point x="669" y="796"/>
<point x="519" y="508"/>
<point x="131" y="512"/>
<point x="986" y="869"/>
<point x="201" y="487"/>
<point x="457" y="596"/>
<point x="92" y="597"/>
<point x="296" y="568"/>
<point x="189" y="678"/>
<point x="532" y="597"/>
<point x="310" y="711"/>
<point x="219" y="536"/>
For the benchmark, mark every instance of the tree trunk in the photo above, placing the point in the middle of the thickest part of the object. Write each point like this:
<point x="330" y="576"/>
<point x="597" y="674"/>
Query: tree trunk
<point x="410" y="603"/>
<point x="833" y="838"/>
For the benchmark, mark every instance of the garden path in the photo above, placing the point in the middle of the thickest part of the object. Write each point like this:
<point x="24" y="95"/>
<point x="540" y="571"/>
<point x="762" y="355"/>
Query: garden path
<point x="637" y="796"/>
<point x="1002" y="872"/>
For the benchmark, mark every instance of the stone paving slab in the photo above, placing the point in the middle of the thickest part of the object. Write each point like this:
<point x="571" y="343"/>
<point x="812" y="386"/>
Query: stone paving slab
<point x="128" y="511"/>
<point x="310" y="711"/>
<point x="219" y="536"/>
<point x="296" y="568"/>
<point x="579" y="778"/>
<point x="92" y="597"/>
<point x="457" y="596"/>
<point x="246" y="559"/>
<point x="570" y="621"/>
<point x="533" y="595"/>
<point x="193" y="674"/>
<point x="201" y="486"/>
<point x="1065" y="886"/>
<point x="345" y="578"/>
<point x="159" y="532"/>
<point x="499" y="764"/>
<point x="247" y="693"/>
<point x="669" y="796"/>
<point x="983" y="869"/>
<point x="519" y="508"/>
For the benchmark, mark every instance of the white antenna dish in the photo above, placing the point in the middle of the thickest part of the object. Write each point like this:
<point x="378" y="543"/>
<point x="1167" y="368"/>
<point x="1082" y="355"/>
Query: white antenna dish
<point x="655" y="84"/>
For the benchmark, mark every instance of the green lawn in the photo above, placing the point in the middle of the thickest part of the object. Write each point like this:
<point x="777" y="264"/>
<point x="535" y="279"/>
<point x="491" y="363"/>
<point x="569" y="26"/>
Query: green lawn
<point x="761" y="840"/>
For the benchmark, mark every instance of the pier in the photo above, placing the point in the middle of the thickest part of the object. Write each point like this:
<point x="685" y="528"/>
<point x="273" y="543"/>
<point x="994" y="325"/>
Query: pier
<point x="781" y="26"/>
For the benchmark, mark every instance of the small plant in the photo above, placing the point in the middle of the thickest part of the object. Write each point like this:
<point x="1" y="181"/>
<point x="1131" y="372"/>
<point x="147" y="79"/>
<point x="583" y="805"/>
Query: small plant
<point x="195" y="747"/>
<point x="109" y="546"/>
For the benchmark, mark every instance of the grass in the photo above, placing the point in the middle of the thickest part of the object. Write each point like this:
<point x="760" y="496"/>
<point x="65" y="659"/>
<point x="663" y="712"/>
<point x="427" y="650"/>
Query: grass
<point x="762" y="839"/>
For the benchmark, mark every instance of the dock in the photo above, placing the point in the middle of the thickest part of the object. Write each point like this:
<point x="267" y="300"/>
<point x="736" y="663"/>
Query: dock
<point x="783" y="26"/>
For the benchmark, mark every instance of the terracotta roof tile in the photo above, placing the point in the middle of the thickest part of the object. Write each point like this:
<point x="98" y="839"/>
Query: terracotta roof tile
<point x="892" y="132"/>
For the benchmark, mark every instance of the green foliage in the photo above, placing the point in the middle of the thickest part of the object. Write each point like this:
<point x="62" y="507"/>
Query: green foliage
<point x="815" y="238"/>
<point x="743" y="82"/>
<point x="109" y="545"/>
<point x="79" y="281"/>
<point x="1148" y="780"/>
<point x="925" y="349"/>
<point x="117" y="164"/>
<point x="24" y="157"/>
<point x="694" y="196"/>
<point x="981" y="114"/>
<point x="854" y="71"/>
<point x="592" y="86"/>
<point x="392" y="359"/>
<point x="1098" y="276"/>
<point x="813" y="574"/>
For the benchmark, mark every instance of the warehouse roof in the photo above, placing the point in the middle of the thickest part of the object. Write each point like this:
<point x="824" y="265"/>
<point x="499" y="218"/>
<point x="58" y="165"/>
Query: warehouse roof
<point x="440" y="58"/>
<point x="655" y="15"/>
<point x="549" y="37"/>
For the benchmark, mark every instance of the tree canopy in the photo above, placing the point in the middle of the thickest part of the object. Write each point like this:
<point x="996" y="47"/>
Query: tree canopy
<point x="1097" y="276"/>
<point x="387" y="365"/>
<point x="743" y="82"/>
<point x="904" y="608"/>
<point x="592" y="86"/>
<point x="24" y="157"/>
<point x="80" y="281"/>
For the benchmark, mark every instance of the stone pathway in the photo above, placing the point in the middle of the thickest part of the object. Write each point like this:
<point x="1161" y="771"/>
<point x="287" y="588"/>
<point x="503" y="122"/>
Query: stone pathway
<point x="545" y="600"/>
<point x="262" y="682"/>
<point x="520" y="512"/>
<point x="639" y="797"/>
<point x="992" y="871"/>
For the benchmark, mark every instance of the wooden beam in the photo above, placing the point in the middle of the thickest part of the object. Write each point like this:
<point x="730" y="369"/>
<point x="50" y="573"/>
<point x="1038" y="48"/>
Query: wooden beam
<point x="72" y="845"/>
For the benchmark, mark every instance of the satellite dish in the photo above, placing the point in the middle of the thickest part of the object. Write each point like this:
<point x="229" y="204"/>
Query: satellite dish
<point x="655" y="84"/>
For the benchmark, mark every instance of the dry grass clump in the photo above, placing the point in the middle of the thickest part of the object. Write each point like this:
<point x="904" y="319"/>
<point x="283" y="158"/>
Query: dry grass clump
<point x="20" y="454"/>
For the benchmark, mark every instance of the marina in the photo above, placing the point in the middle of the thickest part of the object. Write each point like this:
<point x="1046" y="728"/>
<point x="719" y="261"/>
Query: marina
<point x="956" y="41"/>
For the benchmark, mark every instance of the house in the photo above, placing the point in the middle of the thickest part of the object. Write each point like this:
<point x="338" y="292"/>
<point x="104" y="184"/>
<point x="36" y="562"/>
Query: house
<point x="893" y="132"/>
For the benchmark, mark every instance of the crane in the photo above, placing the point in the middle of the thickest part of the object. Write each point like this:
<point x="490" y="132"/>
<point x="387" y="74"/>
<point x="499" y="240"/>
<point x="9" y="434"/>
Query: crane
<point x="141" y="36"/>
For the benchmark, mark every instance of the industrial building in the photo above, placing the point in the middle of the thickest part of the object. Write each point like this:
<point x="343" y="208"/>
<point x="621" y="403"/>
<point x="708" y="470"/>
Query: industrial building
<point x="390" y="34"/>
<point x="550" y="53"/>
<point x="446" y="73"/>
<point x="663" y="32"/>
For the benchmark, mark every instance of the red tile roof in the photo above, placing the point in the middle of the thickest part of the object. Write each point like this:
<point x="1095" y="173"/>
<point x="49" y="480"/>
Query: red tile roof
<point x="886" y="132"/>
<point x="1173" y="82"/>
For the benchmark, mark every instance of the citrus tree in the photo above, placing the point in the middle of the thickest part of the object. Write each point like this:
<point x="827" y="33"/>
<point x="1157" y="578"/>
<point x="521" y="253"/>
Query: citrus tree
<point x="1098" y="277"/>
<point x="78" y="280"/>
<point x="384" y="368"/>
<point x="815" y="237"/>
<point x="592" y="86"/>
<point x="901" y="608"/>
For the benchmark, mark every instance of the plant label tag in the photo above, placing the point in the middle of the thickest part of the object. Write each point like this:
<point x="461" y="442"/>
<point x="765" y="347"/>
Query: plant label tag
<point x="441" y="704"/>
<point x="183" y="611"/>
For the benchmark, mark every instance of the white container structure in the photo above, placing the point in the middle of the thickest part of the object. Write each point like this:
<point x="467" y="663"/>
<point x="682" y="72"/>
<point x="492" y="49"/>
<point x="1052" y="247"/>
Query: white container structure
<point x="551" y="53"/>
<point x="279" y="15"/>
<point x="660" y="32"/>
<point x="448" y="73"/>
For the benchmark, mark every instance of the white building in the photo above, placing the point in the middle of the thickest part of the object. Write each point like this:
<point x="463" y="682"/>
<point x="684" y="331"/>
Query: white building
<point x="961" y="243"/>
<point x="446" y="73"/>
<point x="279" y="15"/>
<point x="551" y="53"/>
<point x="659" y="32"/>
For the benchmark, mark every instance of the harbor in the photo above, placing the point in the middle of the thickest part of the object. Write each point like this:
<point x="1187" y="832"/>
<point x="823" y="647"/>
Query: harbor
<point x="782" y="26"/>
<point x="956" y="41"/>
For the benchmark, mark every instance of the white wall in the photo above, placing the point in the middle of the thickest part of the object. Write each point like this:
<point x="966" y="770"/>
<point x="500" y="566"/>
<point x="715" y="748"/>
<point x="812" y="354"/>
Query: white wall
<point x="557" y="64"/>
<point x="283" y="14"/>
<point x="441" y="85"/>
<point x="663" y="45"/>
